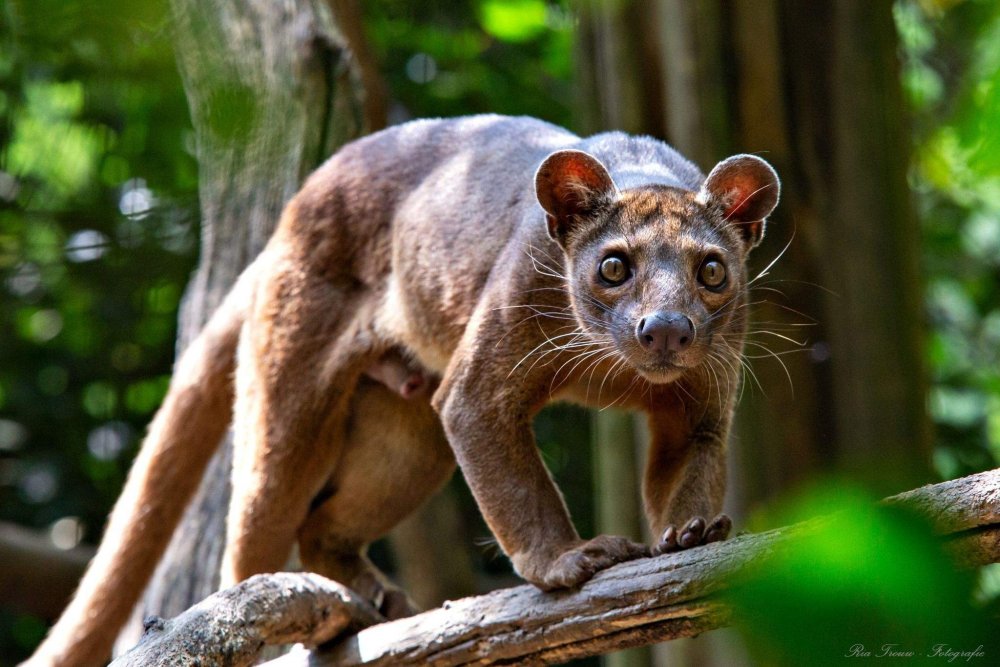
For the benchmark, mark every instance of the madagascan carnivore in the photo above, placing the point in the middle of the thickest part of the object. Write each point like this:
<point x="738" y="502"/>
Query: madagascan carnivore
<point x="429" y="289"/>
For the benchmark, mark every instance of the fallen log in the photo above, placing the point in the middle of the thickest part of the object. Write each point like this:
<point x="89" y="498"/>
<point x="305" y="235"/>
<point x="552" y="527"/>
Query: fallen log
<point x="641" y="602"/>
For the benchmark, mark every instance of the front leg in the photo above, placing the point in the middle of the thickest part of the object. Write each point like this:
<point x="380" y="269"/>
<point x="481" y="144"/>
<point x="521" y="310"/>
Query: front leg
<point x="685" y="480"/>
<point x="487" y="417"/>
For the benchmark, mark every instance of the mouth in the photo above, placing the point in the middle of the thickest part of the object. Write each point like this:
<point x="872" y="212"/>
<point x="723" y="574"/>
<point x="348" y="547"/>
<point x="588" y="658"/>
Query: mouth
<point x="661" y="372"/>
<point x="662" y="368"/>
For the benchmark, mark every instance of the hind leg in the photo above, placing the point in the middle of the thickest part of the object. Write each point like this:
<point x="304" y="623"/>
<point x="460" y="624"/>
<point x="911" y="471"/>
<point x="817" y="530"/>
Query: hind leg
<point x="301" y="351"/>
<point x="396" y="456"/>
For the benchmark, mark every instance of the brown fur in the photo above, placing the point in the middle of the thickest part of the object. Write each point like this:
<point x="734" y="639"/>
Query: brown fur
<point x="422" y="249"/>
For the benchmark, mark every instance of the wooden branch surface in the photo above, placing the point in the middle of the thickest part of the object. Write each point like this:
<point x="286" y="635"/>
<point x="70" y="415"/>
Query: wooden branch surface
<point x="636" y="603"/>
<point x="632" y="604"/>
<point x="231" y="626"/>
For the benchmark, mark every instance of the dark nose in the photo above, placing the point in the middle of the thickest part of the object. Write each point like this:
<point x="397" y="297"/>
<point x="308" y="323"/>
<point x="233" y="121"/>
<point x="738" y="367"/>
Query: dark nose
<point x="665" y="332"/>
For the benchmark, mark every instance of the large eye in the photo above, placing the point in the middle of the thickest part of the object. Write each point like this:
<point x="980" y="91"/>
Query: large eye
<point x="712" y="274"/>
<point x="614" y="270"/>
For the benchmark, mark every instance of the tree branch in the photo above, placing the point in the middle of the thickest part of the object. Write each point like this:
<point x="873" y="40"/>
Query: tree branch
<point x="636" y="603"/>
<point x="232" y="626"/>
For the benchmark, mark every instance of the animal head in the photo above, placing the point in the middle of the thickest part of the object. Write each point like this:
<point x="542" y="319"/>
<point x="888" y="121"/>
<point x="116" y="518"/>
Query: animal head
<point x="659" y="270"/>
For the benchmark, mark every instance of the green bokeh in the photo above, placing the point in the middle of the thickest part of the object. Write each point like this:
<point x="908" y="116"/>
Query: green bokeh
<point x="951" y="73"/>
<point x="864" y="579"/>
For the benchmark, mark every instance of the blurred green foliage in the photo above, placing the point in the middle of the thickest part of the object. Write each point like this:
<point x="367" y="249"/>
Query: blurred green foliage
<point x="98" y="231"/>
<point x="951" y="55"/>
<point x="447" y="58"/>
<point x="866" y="582"/>
<point x="97" y="236"/>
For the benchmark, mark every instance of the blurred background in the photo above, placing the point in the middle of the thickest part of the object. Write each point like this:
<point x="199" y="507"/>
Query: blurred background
<point x="137" y="136"/>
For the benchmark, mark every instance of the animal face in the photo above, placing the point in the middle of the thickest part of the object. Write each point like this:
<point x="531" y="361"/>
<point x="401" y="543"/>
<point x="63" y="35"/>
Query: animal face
<point x="659" y="271"/>
<point x="662" y="278"/>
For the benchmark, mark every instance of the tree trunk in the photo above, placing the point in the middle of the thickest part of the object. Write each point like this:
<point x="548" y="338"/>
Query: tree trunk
<point x="813" y="88"/>
<point x="271" y="96"/>
<point x="817" y="87"/>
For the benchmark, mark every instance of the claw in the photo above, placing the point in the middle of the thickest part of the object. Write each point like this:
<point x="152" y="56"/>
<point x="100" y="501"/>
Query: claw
<point x="694" y="533"/>
<point x="668" y="542"/>
<point x="719" y="529"/>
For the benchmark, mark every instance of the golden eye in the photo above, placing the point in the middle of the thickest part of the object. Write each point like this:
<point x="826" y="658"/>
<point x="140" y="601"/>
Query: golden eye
<point x="613" y="270"/>
<point x="712" y="274"/>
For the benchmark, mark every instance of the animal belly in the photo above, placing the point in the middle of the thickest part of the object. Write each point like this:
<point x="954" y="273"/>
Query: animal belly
<point x="415" y="324"/>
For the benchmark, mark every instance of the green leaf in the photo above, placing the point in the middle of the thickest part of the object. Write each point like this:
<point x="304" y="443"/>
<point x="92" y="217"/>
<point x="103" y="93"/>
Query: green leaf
<point x="513" y="20"/>
<point x="867" y="576"/>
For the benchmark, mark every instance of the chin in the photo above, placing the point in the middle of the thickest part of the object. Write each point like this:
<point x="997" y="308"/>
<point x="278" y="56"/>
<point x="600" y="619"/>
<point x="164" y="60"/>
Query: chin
<point x="661" y="374"/>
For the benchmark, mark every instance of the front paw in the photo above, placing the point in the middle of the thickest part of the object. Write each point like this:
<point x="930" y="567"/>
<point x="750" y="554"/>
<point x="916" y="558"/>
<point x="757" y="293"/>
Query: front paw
<point x="694" y="533"/>
<point x="579" y="563"/>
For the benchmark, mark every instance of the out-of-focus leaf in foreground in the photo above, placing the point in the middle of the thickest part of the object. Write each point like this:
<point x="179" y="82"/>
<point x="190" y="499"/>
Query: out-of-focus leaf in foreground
<point x="865" y="582"/>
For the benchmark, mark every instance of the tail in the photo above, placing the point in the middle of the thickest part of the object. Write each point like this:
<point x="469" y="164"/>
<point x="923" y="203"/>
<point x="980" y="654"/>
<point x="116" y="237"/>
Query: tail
<point x="182" y="438"/>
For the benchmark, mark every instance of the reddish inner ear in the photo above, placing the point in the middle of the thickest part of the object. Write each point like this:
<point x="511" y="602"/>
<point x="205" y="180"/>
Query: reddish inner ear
<point x="576" y="180"/>
<point x="568" y="181"/>
<point x="745" y="186"/>
<point x="741" y="194"/>
<point x="577" y="171"/>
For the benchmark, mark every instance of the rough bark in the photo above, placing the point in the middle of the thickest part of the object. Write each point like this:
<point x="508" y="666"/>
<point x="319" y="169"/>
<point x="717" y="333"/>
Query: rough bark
<point x="271" y="95"/>
<point x="632" y="604"/>
<point x="230" y="627"/>
<point x="959" y="505"/>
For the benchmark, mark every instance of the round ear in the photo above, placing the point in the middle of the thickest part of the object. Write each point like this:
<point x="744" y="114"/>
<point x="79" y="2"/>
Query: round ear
<point x="746" y="189"/>
<point x="569" y="184"/>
